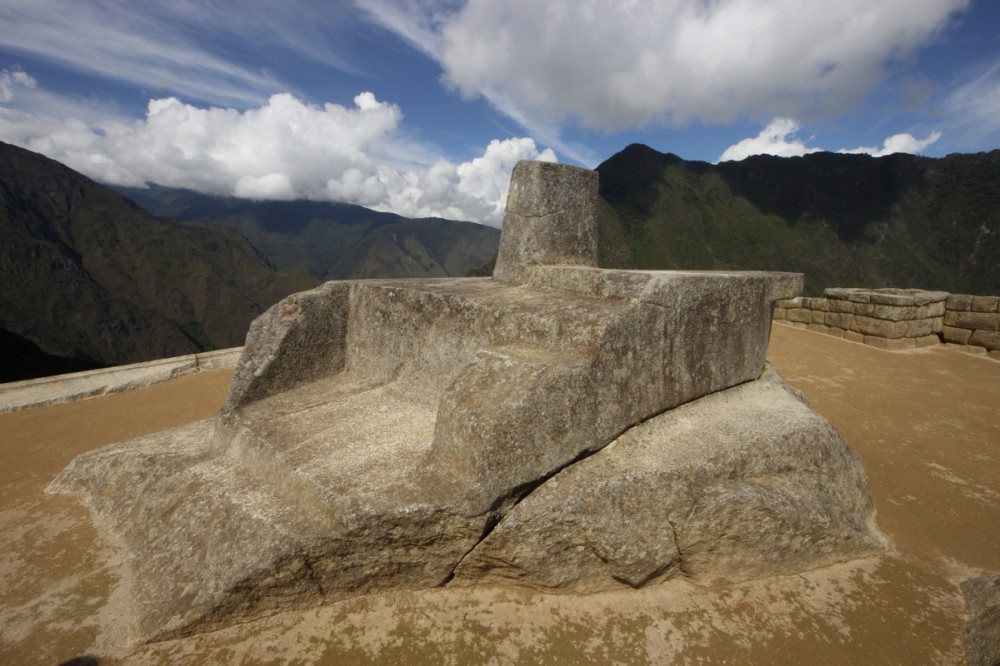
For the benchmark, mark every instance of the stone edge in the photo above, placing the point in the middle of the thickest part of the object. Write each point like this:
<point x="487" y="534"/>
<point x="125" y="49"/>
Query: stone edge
<point x="15" y="396"/>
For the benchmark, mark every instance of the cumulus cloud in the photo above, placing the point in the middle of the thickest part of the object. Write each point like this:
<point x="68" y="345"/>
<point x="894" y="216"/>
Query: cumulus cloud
<point x="778" y="138"/>
<point x="897" y="143"/>
<point x="284" y="149"/>
<point x="478" y="185"/>
<point x="10" y="81"/>
<point x="611" y="65"/>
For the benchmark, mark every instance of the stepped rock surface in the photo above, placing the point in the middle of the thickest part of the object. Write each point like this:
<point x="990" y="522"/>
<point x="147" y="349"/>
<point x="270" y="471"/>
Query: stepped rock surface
<point x="393" y="434"/>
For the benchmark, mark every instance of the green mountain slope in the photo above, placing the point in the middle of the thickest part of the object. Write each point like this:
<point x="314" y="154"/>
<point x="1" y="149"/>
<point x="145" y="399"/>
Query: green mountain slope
<point x="87" y="275"/>
<point x="334" y="241"/>
<point x="843" y="220"/>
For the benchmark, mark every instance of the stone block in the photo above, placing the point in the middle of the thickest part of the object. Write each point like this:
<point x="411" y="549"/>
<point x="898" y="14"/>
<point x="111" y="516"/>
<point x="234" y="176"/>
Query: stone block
<point x="959" y="302"/>
<point x="848" y="294"/>
<point x="906" y="312"/>
<point x="863" y="309"/>
<point x="995" y="355"/>
<point x="985" y="303"/>
<point x="969" y="349"/>
<point x="816" y="328"/>
<point x="843" y="306"/>
<point x="988" y="339"/>
<point x="789" y="303"/>
<point x="839" y="319"/>
<point x="898" y="299"/>
<point x="890" y="344"/>
<point x="798" y="324"/>
<point x="821" y="304"/>
<point x="780" y="314"/>
<point x="893" y="329"/>
<point x="550" y="219"/>
<point x="818" y="317"/>
<point x="986" y="321"/>
<point x="835" y="331"/>
<point x="922" y="327"/>
<point x="929" y="297"/>
<point x="936" y="309"/>
<point x="959" y="336"/>
<point x="801" y="315"/>
<point x="927" y="341"/>
<point x="854" y="336"/>
<point x="896" y="312"/>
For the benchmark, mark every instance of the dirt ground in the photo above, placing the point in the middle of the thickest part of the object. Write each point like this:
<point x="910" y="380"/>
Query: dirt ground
<point x="926" y="423"/>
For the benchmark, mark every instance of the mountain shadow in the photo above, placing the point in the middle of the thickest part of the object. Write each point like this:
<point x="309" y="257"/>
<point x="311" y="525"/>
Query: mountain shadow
<point x="843" y="220"/>
<point x="89" y="279"/>
<point x="334" y="241"/>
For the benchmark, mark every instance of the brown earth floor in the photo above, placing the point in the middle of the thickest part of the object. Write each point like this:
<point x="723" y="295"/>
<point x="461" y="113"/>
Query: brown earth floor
<point x="926" y="423"/>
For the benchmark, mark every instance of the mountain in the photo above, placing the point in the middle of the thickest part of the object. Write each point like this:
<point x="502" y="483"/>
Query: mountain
<point x="843" y="220"/>
<point x="334" y="241"/>
<point x="89" y="279"/>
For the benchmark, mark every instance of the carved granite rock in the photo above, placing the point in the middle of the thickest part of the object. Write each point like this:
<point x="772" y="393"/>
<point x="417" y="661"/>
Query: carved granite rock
<point x="744" y="483"/>
<point x="387" y="434"/>
<point x="550" y="219"/>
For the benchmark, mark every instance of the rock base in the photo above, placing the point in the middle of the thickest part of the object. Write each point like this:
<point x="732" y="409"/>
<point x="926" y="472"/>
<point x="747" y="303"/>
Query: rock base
<point x="746" y="483"/>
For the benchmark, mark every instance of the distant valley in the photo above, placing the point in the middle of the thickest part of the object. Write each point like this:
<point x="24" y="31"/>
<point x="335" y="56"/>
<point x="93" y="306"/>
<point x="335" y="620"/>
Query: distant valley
<point x="334" y="241"/>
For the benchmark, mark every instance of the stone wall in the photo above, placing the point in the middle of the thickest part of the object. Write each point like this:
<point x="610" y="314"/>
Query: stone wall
<point x="896" y="319"/>
<point x="973" y="321"/>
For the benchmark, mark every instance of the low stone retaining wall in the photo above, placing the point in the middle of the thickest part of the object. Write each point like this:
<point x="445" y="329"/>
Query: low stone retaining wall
<point x="973" y="321"/>
<point x="896" y="319"/>
<point x="78" y="385"/>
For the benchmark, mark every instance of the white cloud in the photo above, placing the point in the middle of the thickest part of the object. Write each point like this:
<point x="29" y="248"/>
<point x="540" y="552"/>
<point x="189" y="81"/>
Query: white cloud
<point x="179" y="46"/>
<point x="11" y="80"/>
<point x="284" y="149"/>
<point x="972" y="109"/>
<point x="778" y="138"/>
<point x="897" y="143"/>
<point x="613" y="64"/>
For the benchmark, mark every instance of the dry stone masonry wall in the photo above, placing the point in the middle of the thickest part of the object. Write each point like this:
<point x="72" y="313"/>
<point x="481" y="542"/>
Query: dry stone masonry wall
<point x="973" y="321"/>
<point x="897" y="319"/>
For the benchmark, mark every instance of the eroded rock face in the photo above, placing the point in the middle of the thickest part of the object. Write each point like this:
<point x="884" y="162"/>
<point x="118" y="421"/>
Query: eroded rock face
<point x="744" y="483"/>
<point x="410" y="433"/>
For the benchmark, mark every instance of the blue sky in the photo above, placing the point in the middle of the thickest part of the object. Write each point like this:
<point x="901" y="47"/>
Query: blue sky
<point x="423" y="106"/>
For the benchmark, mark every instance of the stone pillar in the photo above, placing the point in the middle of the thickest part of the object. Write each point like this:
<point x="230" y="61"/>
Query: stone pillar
<point x="551" y="219"/>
